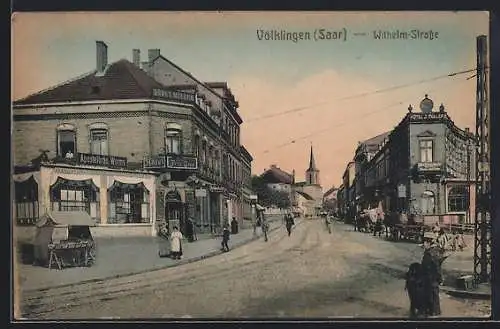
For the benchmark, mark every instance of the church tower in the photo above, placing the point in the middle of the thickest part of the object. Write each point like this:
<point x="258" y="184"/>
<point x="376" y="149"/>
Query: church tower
<point x="312" y="173"/>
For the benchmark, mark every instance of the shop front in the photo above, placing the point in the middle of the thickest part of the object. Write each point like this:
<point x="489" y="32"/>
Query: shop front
<point x="119" y="201"/>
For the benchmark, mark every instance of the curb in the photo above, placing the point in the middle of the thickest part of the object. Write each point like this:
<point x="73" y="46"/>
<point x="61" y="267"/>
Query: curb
<point x="181" y="262"/>
<point x="465" y="293"/>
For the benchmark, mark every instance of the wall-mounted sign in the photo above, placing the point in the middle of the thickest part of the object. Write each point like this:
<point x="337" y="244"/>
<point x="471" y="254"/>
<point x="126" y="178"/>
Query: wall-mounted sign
<point x="429" y="166"/>
<point x="253" y="197"/>
<point x="182" y="162"/>
<point x="217" y="189"/>
<point x="200" y="193"/>
<point x="401" y="191"/>
<point x="154" y="162"/>
<point x="101" y="160"/>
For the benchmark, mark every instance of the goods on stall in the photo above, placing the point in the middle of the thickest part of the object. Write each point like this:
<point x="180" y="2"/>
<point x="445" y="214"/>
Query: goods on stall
<point x="64" y="239"/>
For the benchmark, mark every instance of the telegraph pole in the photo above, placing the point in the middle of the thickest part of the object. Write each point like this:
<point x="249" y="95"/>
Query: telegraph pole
<point x="482" y="241"/>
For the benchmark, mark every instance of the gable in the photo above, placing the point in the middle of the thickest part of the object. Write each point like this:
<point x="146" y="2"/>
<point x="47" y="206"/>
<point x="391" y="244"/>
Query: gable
<point x="426" y="133"/>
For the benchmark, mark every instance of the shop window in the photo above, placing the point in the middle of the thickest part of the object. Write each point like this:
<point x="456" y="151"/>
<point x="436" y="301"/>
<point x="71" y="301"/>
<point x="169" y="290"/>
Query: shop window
<point x="99" y="140"/>
<point x="428" y="203"/>
<point x="458" y="198"/>
<point x="26" y="202"/>
<point x="129" y="203"/>
<point x="426" y="150"/>
<point x="71" y="195"/>
<point x="66" y="141"/>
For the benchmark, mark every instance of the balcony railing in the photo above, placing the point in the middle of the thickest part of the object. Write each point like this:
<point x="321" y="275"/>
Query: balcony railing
<point x="89" y="159"/>
<point x="171" y="161"/>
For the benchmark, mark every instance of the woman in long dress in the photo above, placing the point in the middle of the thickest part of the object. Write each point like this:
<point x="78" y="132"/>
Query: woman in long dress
<point x="175" y="243"/>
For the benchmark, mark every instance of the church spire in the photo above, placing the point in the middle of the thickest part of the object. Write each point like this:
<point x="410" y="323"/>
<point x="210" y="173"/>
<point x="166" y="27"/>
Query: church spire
<point x="312" y="163"/>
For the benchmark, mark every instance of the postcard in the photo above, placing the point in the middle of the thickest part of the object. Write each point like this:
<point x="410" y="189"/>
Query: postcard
<point x="242" y="165"/>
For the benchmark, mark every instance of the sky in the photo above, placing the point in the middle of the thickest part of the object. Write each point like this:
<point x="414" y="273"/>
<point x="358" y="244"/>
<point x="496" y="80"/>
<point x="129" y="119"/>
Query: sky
<point x="328" y="94"/>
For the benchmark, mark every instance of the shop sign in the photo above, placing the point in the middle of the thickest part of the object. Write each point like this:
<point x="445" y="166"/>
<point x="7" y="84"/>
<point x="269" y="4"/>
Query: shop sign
<point x="200" y="193"/>
<point x="154" y="162"/>
<point x="101" y="160"/>
<point x="402" y="191"/>
<point x="182" y="162"/>
<point x="217" y="189"/>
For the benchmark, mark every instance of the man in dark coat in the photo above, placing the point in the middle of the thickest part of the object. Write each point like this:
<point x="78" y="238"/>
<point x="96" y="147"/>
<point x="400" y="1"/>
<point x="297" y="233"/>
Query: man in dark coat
<point x="431" y="268"/>
<point x="289" y="224"/>
<point x="225" y="238"/>
<point x="190" y="230"/>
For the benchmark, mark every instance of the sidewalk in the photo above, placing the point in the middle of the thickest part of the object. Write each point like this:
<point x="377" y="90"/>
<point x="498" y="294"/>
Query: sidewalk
<point x="458" y="264"/>
<point x="126" y="256"/>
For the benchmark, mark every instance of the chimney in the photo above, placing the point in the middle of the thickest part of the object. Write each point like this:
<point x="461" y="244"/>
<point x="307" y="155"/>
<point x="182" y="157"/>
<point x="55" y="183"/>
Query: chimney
<point x="152" y="54"/>
<point x="136" y="57"/>
<point x="467" y="130"/>
<point x="102" y="56"/>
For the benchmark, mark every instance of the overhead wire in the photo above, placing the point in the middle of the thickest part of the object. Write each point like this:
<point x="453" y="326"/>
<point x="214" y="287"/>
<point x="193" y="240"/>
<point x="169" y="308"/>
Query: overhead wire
<point x="337" y="125"/>
<point x="365" y="94"/>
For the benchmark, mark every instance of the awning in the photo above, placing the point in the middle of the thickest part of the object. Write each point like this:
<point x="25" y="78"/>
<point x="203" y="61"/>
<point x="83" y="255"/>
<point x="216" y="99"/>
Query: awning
<point x="66" y="218"/>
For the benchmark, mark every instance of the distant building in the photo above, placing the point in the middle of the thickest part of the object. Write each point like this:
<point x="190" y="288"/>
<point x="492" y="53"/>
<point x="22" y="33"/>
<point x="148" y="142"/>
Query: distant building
<point x="330" y="199"/>
<point x="310" y="193"/>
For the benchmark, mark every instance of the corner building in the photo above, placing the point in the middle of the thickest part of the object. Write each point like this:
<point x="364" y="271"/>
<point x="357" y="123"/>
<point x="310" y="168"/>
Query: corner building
<point x="133" y="151"/>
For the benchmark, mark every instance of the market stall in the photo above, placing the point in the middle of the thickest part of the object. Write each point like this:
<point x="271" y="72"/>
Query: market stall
<point x="64" y="239"/>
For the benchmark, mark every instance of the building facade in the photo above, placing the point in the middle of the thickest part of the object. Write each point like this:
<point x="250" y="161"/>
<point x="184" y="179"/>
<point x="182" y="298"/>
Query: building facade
<point x="425" y="166"/>
<point x="171" y="147"/>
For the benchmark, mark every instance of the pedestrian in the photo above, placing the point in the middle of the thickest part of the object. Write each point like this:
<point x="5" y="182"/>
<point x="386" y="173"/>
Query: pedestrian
<point x="163" y="243"/>
<point x="176" y="243"/>
<point x="414" y="285"/>
<point x="190" y="230"/>
<point x="432" y="278"/>
<point x="225" y="238"/>
<point x="234" y="226"/>
<point x="289" y="225"/>
<point x="327" y="223"/>
<point x="265" y="229"/>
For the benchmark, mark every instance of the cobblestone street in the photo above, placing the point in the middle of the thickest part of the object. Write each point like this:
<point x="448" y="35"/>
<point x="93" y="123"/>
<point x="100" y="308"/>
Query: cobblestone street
<point x="310" y="274"/>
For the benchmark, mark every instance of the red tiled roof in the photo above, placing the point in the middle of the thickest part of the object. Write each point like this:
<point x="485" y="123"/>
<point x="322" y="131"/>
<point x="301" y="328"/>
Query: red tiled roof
<point x="276" y="175"/>
<point x="121" y="80"/>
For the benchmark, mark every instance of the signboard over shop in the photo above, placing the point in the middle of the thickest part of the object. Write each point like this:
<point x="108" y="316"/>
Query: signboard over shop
<point x="170" y="162"/>
<point x="101" y="160"/>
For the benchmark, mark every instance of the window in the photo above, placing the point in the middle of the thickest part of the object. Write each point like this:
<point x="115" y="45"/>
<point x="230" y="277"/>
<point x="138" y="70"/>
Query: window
<point x="66" y="140"/>
<point x="70" y="195"/>
<point x="26" y="201"/>
<point x="99" y="141"/>
<point x="196" y="145"/>
<point x="428" y="203"/>
<point x="129" y="203"/>
<point x="426" y="150"/>
<point x="204" y="152"/>
<point x="173" y="140"/>
<point x="458" y="198"/>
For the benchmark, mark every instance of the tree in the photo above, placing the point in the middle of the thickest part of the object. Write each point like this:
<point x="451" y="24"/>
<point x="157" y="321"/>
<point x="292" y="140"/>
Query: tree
<point x="269" y="197"/>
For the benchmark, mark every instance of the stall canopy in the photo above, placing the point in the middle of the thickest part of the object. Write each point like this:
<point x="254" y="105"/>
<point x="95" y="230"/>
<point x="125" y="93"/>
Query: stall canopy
<point x="259" y="207"/>
<point x="56" y="226"/>
<point x="65" y="218"/>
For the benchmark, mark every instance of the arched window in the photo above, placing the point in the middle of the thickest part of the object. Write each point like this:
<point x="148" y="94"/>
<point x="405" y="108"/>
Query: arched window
<point x="428" y="203"/>
<point x="458" y="198"/>
<point x="99" y="141"/>
<point x="66" y="140"/>
<point x="173" y="138"/>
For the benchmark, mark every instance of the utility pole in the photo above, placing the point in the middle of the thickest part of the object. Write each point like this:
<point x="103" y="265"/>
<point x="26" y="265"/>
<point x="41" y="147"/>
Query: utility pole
<point x="482" y="241"/>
